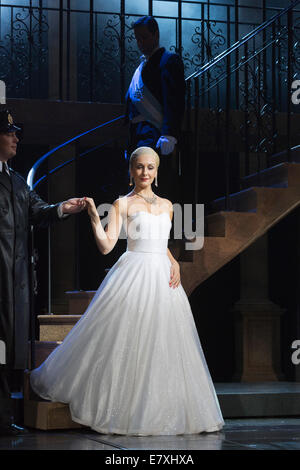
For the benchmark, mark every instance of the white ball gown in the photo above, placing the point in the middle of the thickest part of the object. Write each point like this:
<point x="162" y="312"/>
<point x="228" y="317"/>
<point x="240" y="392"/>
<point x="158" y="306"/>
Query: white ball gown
<point x="133" y="364"/>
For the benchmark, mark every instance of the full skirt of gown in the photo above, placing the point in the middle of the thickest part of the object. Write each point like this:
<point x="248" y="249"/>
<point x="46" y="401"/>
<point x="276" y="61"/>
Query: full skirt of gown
<point x="133" y="364"/>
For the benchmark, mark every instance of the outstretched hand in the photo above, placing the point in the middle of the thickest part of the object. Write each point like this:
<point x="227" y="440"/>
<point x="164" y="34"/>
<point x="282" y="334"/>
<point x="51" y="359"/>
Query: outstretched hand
<point x="73" y="205"/>
<point x="90" y="206"/>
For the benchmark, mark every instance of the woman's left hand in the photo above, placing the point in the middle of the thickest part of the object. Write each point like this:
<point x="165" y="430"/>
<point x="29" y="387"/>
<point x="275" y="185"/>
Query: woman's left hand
<point x="175" y="275"/>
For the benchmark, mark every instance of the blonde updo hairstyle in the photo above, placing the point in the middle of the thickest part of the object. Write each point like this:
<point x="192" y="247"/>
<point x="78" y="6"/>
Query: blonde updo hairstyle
<point x="143" y="151"/>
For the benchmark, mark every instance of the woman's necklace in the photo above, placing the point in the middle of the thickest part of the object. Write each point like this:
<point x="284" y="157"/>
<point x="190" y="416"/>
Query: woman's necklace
<point x="150" y="200"/>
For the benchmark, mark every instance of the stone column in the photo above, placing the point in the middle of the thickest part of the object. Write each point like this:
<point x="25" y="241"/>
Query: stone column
<point x="257" y="320"/>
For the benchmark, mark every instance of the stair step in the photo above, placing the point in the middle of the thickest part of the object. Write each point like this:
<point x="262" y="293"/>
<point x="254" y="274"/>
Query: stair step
<point x="78" y="301"/>
<point x="241" y="230"/>
<point x="42" y="351"/>
<point x="282" y="175"/>
<point x="260" y="399"/>
<point x="242" y="201"/>
<point x="43" y="414"/>
<point x="228" y="224"/>
<point x="237" y="400"/>
<point x="47" y="415"/>
<point x="56" y="327"/>
<point x="276" y="203"/>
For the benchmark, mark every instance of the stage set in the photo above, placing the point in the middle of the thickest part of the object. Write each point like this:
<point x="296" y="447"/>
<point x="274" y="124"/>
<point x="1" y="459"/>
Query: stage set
<point x="66" y="67"/>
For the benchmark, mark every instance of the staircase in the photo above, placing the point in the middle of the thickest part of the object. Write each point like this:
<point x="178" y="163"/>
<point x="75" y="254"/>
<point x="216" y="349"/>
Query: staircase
<point x="39" y="413"/>
<point x="254" y="211"/>
<point x="234" y="223"/>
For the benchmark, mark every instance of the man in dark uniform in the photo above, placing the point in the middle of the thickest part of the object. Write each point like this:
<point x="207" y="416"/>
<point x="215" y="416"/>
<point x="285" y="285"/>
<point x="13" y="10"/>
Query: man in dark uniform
<point x="155" y="104"/>
<point x="19" y="207"/>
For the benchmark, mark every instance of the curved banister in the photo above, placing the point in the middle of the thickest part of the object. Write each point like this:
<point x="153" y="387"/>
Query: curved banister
<point x="31" y="174"/>
<point x="67" y="162"/>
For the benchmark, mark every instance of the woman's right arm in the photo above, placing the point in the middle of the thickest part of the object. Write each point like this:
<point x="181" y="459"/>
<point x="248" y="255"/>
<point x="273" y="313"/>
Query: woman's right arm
<point x="105" y="239"/>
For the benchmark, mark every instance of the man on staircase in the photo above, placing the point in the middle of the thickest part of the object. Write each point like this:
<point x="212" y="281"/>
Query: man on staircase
<point x="155" y="103"/>
<point x="19" y="207"/>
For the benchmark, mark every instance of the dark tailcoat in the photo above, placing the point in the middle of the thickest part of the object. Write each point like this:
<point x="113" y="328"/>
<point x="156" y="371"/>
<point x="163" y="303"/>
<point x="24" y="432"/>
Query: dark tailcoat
<point x="19" y="207"/>
<point x="163" y="75"/>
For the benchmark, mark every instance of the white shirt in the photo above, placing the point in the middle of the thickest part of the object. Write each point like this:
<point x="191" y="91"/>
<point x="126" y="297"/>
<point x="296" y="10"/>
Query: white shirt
<point x="6" y="167"/>
<point x="143" y="58"/>
<point x="59" y="208"/>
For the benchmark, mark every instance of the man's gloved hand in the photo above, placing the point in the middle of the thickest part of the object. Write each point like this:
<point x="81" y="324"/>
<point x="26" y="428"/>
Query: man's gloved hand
<point x="166" y="144"/>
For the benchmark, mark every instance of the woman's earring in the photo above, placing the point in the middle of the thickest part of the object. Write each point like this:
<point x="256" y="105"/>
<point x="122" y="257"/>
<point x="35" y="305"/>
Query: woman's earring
<point x="156" y="180"/>
<point x="130" y="181"/>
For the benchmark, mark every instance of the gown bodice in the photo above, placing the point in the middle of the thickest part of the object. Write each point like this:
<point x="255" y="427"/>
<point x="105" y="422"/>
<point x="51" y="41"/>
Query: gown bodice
<point x="148" y="233"/>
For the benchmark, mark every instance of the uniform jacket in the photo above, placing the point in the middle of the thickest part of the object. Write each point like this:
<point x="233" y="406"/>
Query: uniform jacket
<point x="19" y="208"/>
<point x="163" y="74"/>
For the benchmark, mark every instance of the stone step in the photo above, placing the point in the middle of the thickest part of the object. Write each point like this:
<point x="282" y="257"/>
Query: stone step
<point x="56" y="327"/>
<point x="229" y="224"/>
<point x="283" y="175"/>
<point x="78" y="301"/>
<point x="242" y="201"/>
<point x="43" y="414"/>
<point x="237" y="400"/>
<point x="42" y="351"/>
<point x="259" y="399"/>
<point x="47" y="416"/>
<point x="241" y="230"/>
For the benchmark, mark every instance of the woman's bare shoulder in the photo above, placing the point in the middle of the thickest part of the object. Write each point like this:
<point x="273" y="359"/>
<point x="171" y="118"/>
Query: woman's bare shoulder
<point x="165" y="203"/>
<point x="122" y="203"/>
<point x="119" y="203"/>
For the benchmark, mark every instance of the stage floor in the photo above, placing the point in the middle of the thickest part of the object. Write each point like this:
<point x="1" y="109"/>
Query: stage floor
<point x="238" y="434"/>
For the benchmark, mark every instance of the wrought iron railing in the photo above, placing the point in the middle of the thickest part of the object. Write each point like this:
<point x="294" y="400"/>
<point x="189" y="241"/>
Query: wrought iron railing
<point x="268" y="63"/>
<point x="244" y="118"/>
<point x="69" y="50"/>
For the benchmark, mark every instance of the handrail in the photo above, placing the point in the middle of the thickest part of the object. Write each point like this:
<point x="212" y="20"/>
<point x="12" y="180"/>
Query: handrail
<point x="233" y="68"/>
<point x="33" y="170"/>
<point x="67" y="162"/>
<point x="283" y="152"/>
<point x="242" y="41"/>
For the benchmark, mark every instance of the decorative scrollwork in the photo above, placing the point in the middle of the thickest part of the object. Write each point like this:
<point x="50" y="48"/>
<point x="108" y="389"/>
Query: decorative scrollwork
<point x="115" y="59"/>
<point x="257" y="132"/>
<point x="208" y="42"/>
<point x="296" y="47"/>
<point x="108" y="62"/>
<point x="23" y="51"/>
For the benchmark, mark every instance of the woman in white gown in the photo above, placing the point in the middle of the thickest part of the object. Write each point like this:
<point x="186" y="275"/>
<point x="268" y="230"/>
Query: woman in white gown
<point x="133" y="364"/>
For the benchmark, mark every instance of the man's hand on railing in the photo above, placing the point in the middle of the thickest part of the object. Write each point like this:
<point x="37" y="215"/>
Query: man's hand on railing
<point x="73" y="205"/>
